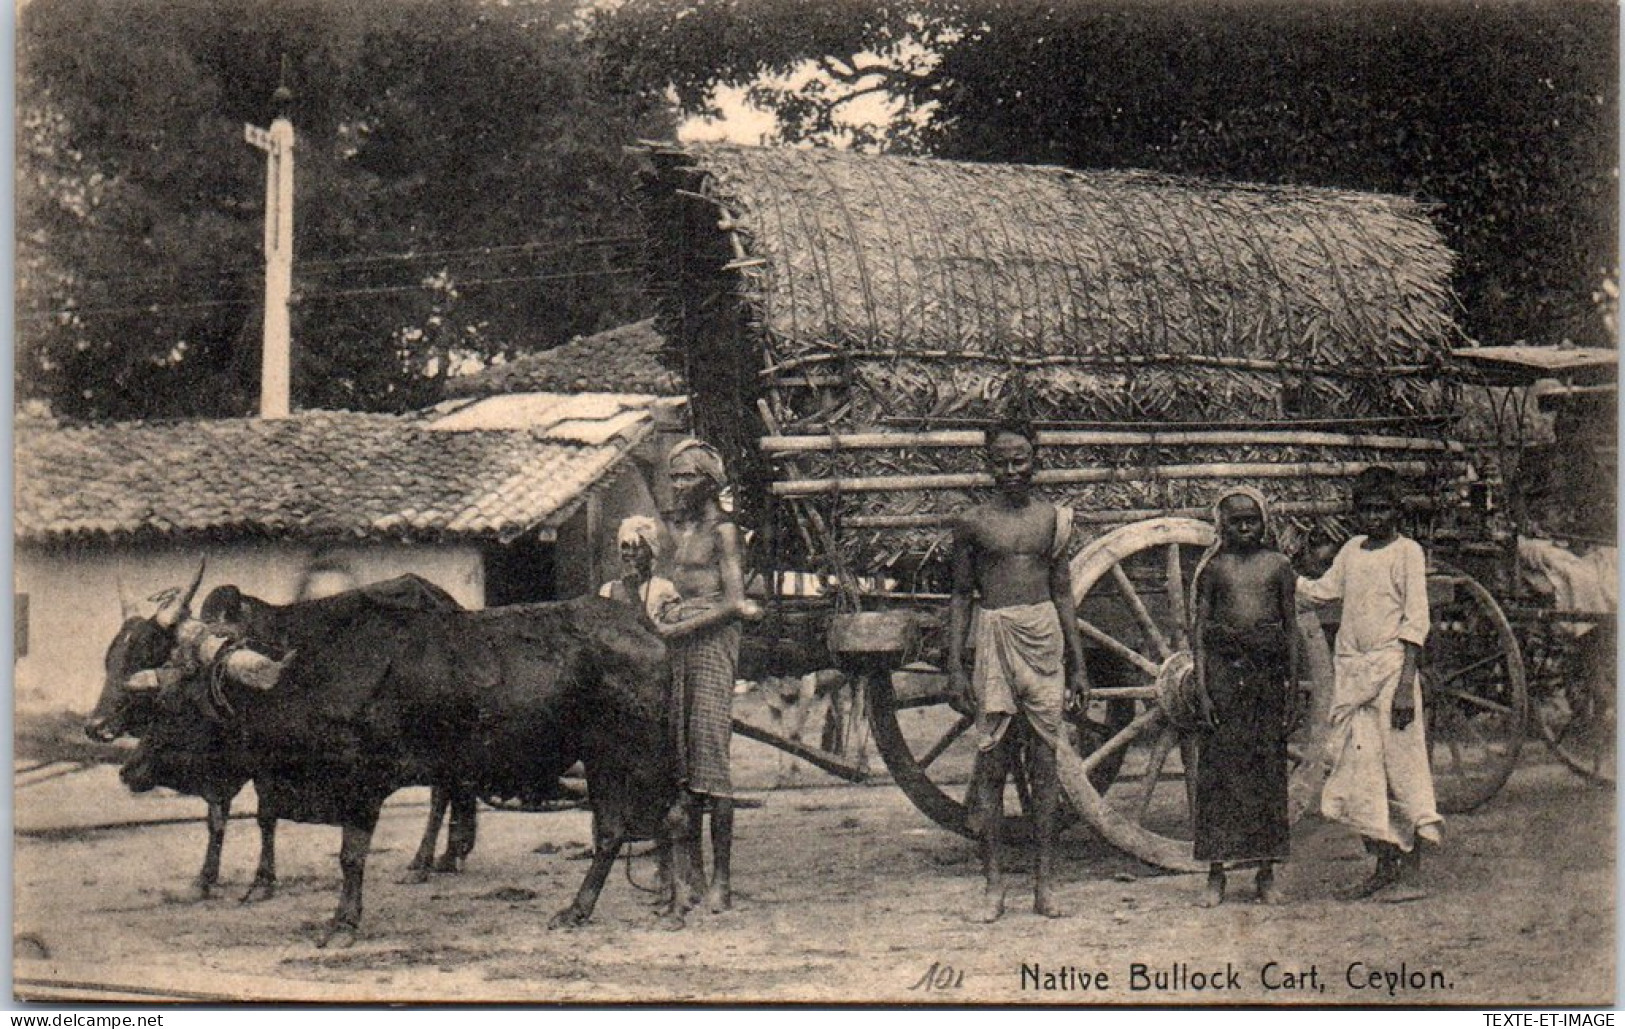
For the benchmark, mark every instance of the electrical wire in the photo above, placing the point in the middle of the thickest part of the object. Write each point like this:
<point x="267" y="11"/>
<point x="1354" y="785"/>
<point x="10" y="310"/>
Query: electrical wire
<point x="151" y="309"/>
<point x="372" y="290"/>
<point x="489" y="251"/>
<point x="165" y="308"/>
<point x="318" y="264"/>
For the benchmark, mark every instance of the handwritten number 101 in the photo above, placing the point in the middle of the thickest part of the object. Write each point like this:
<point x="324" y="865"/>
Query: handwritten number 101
<point x="940" y="977"/>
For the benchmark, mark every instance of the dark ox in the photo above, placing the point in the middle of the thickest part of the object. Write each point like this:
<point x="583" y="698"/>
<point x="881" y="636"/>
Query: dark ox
<point x="502" y="700"/>
<point x="199" y="757"/>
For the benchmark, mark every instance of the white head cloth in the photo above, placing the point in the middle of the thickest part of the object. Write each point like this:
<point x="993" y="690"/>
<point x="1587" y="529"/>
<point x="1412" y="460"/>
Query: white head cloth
<point x="639" y="529"/>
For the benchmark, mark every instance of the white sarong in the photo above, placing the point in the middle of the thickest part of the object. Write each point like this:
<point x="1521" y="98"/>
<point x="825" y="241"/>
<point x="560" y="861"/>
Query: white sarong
<point x="1379" y="782"/>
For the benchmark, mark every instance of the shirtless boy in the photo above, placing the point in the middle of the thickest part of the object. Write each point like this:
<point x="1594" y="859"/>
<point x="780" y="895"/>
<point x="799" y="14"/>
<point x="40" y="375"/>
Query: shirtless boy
<point x="1010" y="558"/>
<point x="1246" y="672"/>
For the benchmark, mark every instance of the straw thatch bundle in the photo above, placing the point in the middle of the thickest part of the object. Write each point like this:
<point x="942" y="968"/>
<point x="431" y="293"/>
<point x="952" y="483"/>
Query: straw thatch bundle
<point x="813" y="292"/>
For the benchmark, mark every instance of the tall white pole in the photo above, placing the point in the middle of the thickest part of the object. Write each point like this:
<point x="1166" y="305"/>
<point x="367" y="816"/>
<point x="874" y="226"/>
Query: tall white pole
<point x="276" y="355"/>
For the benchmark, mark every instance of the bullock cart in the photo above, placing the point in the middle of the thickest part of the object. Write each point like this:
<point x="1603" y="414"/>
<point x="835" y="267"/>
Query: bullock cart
<point x="1555" y="506"/>
<point x="850" y="324"/>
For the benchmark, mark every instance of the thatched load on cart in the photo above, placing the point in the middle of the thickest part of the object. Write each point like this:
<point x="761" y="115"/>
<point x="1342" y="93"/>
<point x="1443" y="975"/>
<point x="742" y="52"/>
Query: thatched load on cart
<point x="848" y="323"/>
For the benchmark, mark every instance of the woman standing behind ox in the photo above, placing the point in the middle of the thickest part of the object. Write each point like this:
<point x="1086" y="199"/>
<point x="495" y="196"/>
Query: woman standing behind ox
<point x="703" y="631"/>
<point x="1379" y="782"/>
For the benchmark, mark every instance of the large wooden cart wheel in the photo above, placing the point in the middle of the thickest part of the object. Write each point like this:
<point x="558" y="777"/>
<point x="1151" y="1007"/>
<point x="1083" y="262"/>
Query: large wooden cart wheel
<point x="1574" y="701"/>
<point x="1473" y="692"/>
<point x="1132" y="588"/>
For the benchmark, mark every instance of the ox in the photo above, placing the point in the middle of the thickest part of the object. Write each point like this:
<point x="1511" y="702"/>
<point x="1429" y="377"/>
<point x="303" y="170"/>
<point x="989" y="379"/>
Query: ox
<point x="203" y="762"/>
<point x="503" y="701"/>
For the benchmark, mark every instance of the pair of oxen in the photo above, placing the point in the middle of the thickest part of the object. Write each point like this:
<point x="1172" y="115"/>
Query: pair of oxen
<point x="394" y="685"/>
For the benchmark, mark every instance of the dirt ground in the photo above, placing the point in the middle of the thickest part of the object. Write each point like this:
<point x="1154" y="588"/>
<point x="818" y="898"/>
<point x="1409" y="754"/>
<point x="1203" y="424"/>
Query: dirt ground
<point x="843" y="894"/>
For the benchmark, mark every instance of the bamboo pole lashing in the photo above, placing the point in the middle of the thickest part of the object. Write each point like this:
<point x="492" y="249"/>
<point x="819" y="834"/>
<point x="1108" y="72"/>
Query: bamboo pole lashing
<point x="1084" y="476"/>
<point x="1289" y="508"/>
<point x="1108" y="361"/>
<point x="819" y="443"/>
<point x="920" y="422"/>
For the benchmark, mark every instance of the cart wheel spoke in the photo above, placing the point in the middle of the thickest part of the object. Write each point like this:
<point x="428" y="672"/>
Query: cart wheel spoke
<point x="1459" y="767"/>
<point x="1473" y="700"/>
<point x="954" y="732"/>
<point x="1469" y="669"/>
<point x="1136" y="604"/>
<point x="1470" y="727"/>
<point x="1143" y="723"/>
<point x="1160" y="749"/>
<point x="1188" y="759"/>
<point x="1179" y="612"/>
<point x="1117" y="646"/>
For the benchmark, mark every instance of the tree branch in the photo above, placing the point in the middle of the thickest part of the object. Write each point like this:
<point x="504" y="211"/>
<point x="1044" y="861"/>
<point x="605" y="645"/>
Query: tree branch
<point x="879" y="87"/>
<point x="851" y="73"/>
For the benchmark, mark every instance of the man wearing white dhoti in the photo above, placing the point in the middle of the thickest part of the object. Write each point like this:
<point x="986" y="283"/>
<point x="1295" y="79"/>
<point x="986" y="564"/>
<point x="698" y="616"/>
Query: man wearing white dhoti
<point x="1379" y="783"/>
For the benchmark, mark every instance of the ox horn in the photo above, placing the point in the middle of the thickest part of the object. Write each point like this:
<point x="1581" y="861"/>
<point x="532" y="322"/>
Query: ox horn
<point x="197" y="580"/>
<point x="178" y="604"/>
<point x="128" y="605"/>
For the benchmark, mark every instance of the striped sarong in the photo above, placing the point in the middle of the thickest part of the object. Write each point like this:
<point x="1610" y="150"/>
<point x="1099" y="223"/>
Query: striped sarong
<point x="704" y="666"/>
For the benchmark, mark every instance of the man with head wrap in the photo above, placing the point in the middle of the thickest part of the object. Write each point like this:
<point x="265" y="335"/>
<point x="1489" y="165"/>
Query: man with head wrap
<point x="1247" y="655"/>
<point x="704" y="632"/>
<point x="639" y="540"/>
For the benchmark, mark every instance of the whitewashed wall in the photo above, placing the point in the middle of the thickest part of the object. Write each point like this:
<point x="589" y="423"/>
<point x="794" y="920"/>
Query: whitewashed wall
<point x="74" y="610"/>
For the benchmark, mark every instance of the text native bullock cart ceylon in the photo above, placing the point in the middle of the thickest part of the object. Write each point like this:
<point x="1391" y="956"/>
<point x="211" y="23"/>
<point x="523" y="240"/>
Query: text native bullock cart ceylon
<point x="848" y="324"/>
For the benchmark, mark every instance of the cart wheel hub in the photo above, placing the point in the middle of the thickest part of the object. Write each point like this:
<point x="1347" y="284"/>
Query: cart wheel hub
<point x="1176" y="690"/>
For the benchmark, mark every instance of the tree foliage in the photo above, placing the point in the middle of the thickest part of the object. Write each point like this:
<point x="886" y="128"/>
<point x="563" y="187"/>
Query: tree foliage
<point x="461" y="192"/>
<point x="1503" y="113"/>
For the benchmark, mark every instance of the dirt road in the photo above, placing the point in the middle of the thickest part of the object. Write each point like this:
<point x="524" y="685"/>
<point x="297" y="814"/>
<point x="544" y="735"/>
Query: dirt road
<point x="844" y="894"/>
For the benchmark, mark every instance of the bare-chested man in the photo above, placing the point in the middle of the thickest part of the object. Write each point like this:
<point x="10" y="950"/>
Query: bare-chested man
<point x="703" y="632"/>
<point x="1010" y="558"/>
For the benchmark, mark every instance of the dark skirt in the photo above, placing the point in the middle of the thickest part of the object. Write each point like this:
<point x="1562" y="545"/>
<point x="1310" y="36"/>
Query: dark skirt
<point x="1241" y="764"/>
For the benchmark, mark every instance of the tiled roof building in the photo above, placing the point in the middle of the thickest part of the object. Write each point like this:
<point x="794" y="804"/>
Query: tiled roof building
<point x="620" y="360"/>
<point x="321" y="475"/>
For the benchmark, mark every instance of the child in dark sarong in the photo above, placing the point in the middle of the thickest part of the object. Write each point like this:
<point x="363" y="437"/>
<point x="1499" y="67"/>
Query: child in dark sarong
<point x="1246" y="672"/>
